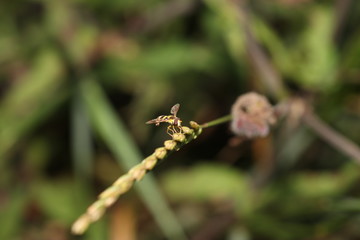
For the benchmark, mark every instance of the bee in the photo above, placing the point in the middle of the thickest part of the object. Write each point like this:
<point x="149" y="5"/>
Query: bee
<point x="173" y="120"/>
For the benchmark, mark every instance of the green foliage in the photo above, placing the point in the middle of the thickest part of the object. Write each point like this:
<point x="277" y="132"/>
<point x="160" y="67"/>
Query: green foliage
<point x="314" y="57"/>
<point x="11" y="212"/>
<point x="78" y="80"/>
<point x="57" y="199"/>
<point x="282" y="210"/>
<point x="225" y="181"/>
<point x="170" y="59"/>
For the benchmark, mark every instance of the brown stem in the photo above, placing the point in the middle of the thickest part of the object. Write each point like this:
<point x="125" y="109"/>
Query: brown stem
<point x="160" y="15"/>
<point x="257" y="57"/>
<point x="342" y="8"/>
<point x="334" y="138"/>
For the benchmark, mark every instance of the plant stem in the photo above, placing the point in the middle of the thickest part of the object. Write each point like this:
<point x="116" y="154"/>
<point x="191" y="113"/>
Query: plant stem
<point x="218" y="121"/>
<point x="119" y="141"/>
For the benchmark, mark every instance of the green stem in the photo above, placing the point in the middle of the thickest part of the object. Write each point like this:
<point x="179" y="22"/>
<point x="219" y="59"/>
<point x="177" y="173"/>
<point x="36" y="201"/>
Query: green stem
<point x="218" y="121"/>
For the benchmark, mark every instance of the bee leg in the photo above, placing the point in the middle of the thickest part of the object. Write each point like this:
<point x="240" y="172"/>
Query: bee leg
<point x="169" y="131"/>
<point x="173" y="130"/>
<point x="177" y="129"/>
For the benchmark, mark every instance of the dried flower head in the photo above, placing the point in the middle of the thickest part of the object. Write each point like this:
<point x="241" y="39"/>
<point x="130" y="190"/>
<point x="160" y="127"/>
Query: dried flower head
<point x="252" y="115"/>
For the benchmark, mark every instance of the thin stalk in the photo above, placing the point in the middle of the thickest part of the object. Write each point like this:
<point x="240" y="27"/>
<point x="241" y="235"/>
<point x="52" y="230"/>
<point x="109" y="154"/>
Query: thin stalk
<point x="114" y="133"/>
<point x="218" y="121"/>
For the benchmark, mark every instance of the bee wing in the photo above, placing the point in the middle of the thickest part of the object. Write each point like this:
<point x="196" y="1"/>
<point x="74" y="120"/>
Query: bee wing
<point x="175" y="109"/>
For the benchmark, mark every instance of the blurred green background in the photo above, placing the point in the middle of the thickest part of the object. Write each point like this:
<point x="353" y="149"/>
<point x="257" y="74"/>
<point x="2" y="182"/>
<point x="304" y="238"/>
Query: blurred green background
<point x="78" y="80"/>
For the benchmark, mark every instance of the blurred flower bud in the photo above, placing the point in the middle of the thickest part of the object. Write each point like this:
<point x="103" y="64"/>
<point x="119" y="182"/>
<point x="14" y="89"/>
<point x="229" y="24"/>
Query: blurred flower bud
<point x="252" y="115"/>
